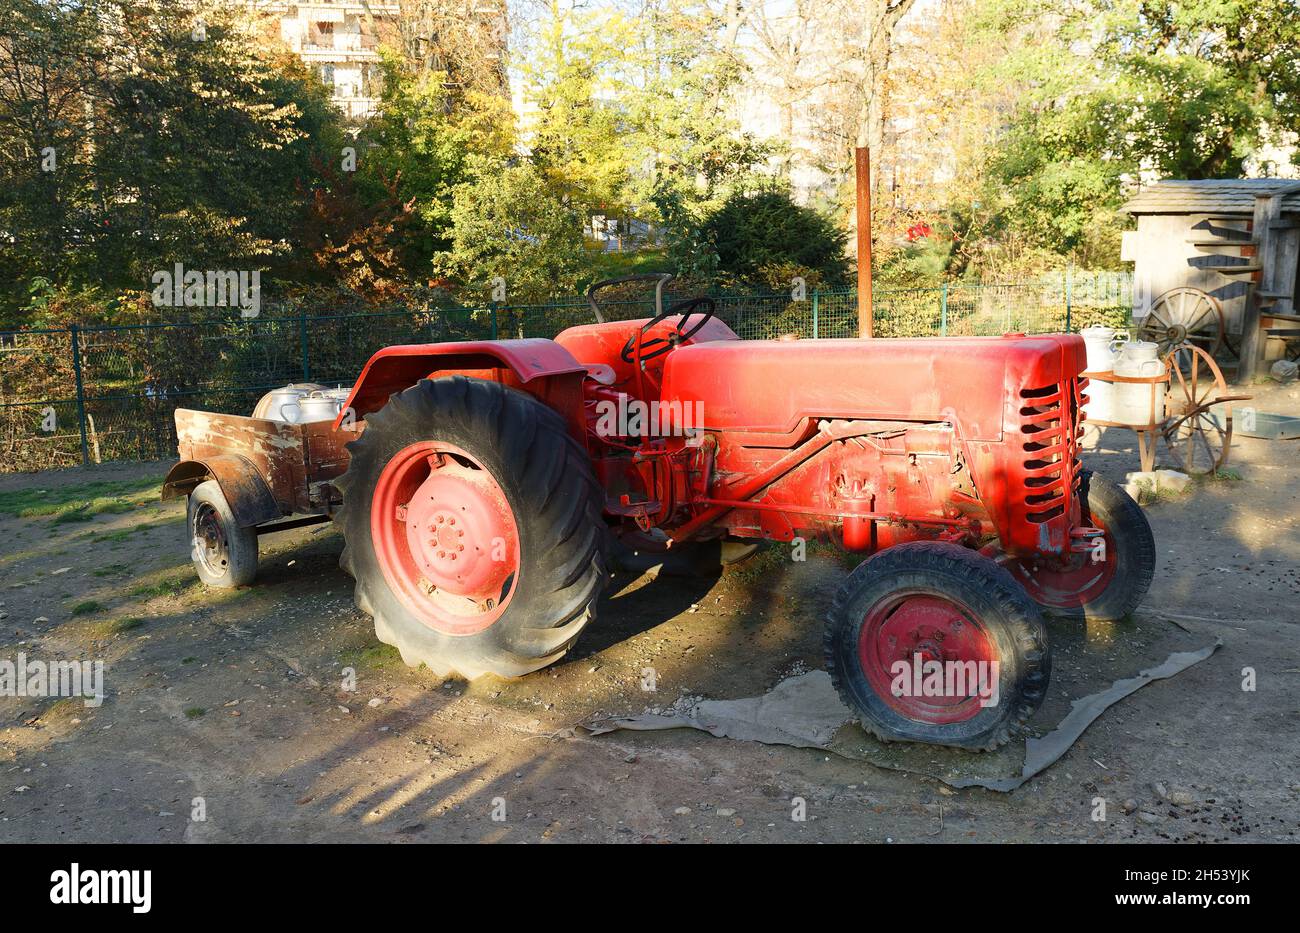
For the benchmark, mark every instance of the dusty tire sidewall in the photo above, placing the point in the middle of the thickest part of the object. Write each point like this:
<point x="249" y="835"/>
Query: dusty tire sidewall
<point x="878" y="586"/>
<point x="385" y="606"/>
<point x="241" y="543"/>
<point x="1134" y="543"/>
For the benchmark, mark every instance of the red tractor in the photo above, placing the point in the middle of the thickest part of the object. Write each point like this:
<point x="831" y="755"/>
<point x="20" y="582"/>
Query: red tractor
<point x="480" y="487"/>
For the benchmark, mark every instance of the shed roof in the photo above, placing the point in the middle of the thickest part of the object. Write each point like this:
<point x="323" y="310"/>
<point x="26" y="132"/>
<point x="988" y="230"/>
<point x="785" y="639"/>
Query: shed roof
<point x="1213" y="196"/>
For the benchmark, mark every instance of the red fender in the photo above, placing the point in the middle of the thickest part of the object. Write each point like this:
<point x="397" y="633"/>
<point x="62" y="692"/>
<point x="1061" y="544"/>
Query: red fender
<point x="540" y="367"/>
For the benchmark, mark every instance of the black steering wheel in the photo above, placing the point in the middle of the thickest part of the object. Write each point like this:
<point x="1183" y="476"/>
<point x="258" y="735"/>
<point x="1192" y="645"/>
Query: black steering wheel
<point x="680" y="334"/>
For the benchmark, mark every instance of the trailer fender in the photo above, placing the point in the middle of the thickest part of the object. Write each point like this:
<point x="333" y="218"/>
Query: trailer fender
<point x="245" y="490"/>
<point x="530" y="364"/>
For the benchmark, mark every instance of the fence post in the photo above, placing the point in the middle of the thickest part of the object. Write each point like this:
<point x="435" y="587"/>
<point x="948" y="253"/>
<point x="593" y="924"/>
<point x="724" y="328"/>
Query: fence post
<point x="495" y="324"/>
<point x="816" y="303"/>
<point x="1069" y="297"/>
<point x="81" y="392"/>
<point x="302" y="337"/>
<point x="943" y="312"/>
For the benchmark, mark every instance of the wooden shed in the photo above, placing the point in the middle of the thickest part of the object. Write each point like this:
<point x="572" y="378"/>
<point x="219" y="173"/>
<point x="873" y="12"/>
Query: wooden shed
<point x="1237" y="240"/>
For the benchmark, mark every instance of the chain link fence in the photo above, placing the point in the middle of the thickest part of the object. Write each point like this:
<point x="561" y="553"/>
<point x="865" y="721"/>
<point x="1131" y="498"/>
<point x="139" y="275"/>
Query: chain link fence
<point x="97" y="394"/>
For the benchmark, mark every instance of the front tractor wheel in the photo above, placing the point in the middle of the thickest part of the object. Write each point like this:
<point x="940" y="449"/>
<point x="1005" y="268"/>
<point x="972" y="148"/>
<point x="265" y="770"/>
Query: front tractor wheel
<point x="1106" y="584"/>
<point x="472" y="525"/>
<point x="931" y="642"/>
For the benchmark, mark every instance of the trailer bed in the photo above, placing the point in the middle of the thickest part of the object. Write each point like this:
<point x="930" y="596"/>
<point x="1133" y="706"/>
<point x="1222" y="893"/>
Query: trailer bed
<point x="266" y="468"/>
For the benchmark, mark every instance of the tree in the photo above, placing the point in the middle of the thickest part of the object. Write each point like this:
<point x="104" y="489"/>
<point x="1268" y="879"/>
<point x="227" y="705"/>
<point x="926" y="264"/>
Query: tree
<point x="575" y="84"/>
<point x="755" y="232"/>
<point x="680" y="133"/>
<point x="421" y="141"/>
<point x="1122" y="89"/>
<point x="176" y="142"/>
<point x="51" y="76"/>
<point x="463" y="43"/>
<point x="508" y="225"/>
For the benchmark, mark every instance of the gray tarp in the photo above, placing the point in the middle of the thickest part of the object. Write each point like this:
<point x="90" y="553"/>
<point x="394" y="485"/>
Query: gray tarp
<point x="804" y="711"/>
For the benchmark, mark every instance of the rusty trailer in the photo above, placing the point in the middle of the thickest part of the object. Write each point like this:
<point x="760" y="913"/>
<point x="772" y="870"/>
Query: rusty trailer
<point x="273" y="474"/>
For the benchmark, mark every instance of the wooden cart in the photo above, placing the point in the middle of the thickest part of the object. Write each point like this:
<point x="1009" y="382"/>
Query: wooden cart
<point x="1196" y="418"/>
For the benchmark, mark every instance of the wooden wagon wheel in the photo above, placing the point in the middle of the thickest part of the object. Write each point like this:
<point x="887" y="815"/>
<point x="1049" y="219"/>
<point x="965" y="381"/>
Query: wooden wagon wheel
<point x="1184" y="315"/>
<point x="1196" y="438"/>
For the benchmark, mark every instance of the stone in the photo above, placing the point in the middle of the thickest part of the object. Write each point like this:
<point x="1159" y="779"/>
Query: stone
<point x="1171" y="481"/>
<point x="1284" y="370"/>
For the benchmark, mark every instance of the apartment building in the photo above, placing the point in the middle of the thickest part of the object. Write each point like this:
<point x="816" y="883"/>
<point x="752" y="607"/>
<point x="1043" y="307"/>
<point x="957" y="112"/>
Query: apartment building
<point x="339" y="40"/>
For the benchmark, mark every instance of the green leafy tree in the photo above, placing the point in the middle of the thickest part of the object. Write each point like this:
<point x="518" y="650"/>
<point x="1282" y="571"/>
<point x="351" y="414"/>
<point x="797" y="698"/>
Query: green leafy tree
<point x="759" y="232"/>
<point x="421" y="142"/>
<point x="1109" y="90"/>
<point x="575" y="87"/>
<point x="176" y="139"/>
<point x="51" y="75"/>
<point x="509" y="224"/>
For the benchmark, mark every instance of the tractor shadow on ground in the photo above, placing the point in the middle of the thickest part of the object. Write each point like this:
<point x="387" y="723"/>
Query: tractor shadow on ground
<point x="634" y="604"/>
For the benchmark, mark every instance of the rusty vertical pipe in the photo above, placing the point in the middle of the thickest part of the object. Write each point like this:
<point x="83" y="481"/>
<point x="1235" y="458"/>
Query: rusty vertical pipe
<point x="862" y="170"/>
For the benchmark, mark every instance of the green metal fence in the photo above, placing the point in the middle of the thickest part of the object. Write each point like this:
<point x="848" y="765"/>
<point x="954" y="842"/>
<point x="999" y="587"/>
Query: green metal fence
<point x="97" y="394"/>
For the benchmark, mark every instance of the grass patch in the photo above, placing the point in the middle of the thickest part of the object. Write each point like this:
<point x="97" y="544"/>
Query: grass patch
<point x="114" y="627"/>
<point x="80" y="514"/>
<point x="112" y="570"/>
<point x="776" y="556"/>
<point x="119" y="506"/>
<point x="762" y="564"/>
<point x="174" y="585"/>
<point x="63" y="710"/>
<point x="87" y="607"/>
<point x="80" y="502"/>
<point x="849" y="560"/>
<point x="190" y="660"/>
<point x="194" y="712"/>
<point x="371" y="657"/>
<point x="121" y="534"/>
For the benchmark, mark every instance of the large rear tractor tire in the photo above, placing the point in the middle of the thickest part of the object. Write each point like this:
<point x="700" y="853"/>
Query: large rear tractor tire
<point x="1107" y="585"/>
<point x="472" y="525"/>
<point x="923" y="607"/>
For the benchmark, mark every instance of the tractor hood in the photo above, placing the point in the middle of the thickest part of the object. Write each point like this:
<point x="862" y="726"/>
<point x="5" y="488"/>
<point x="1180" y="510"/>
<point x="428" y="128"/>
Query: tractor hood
<point x="771" y="386"/>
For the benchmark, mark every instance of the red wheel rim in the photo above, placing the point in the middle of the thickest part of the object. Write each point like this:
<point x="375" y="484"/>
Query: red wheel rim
<point x="906" y="625"/>
<point x="445" y="537"/>
<point x="1068" y="584"/>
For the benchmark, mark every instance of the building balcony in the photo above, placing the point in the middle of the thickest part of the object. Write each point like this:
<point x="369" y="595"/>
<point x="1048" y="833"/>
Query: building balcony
<point x="357" y="108"/>
<point x="347" y="7"/>
<point x="340" y="48"/>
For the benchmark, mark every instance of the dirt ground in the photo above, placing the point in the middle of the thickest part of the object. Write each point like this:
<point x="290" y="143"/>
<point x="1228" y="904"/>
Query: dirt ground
<point x="233" y="702"/>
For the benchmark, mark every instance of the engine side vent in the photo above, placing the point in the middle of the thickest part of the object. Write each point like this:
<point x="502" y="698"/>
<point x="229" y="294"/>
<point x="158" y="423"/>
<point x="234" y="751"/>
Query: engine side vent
<point x="1050" y="432"/>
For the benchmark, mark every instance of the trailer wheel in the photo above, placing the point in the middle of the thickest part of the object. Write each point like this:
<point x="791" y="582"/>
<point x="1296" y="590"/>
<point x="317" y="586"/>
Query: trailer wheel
<point x="224" y="555"/>
<point x="472" y="525"/>
<point x="923" y="602"/>
<point x="1108" y="588"/>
